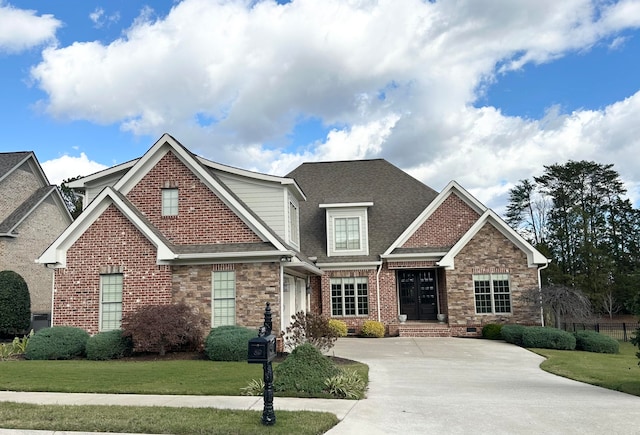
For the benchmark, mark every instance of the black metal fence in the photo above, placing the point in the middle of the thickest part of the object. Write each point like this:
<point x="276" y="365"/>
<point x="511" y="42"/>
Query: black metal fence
<point x="620" y="331"/>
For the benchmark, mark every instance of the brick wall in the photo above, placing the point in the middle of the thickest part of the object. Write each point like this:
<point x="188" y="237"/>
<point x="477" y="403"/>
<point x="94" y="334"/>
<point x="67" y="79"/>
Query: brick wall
<point x="490" y="252"/>
<point x="256" y="284"/>
<point x="445" y="226"/>
<point x="16" y="188"/>
<point x="111" y="241"/>
<point x="202" y="217"/>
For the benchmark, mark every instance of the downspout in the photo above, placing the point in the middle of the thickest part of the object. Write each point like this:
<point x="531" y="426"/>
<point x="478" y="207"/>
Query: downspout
<point x="378" y="290"/>
<point x="540" y="291"/>
<point x="53" y="289"/>
<point x="281" y="297"/>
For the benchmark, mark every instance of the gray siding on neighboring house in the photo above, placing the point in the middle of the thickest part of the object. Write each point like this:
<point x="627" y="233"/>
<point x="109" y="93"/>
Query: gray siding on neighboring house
<point x="92" y="190"/>
<point x="267" y="202"/>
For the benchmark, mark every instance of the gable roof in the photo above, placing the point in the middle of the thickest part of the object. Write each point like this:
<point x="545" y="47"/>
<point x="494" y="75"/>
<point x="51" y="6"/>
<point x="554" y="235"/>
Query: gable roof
<point x="15" y="218"/>
<point x="397" y="200"/>
<point x="395" y="250"/>
<point x="271" y="245"/>
<point x="9" y="162"/>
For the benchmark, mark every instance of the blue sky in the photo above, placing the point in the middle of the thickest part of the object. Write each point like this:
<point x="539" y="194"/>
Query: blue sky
<point x="483" y="92"/>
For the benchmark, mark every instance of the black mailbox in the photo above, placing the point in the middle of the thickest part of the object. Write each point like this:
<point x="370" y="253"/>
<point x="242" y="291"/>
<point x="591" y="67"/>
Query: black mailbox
<point x="262" y="349"/>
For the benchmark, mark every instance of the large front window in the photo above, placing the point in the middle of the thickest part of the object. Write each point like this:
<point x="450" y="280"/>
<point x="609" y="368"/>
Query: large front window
<point x="110" y="301"/>
<point x="347" y="233"/>
<point x="492" y="293"/>
<point x="223" y="310"/>
<point x="349" y="297"/>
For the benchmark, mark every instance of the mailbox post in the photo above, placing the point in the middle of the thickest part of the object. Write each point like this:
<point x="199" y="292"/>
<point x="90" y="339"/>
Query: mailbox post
<point x="262" y="350"/>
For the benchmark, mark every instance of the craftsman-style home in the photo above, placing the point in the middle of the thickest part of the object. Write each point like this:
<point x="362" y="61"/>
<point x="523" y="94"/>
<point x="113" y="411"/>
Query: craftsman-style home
<point x="352" y="240"/>
<point x="32" y="215"/>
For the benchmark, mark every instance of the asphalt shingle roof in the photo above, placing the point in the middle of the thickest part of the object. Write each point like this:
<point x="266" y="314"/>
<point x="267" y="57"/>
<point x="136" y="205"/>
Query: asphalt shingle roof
<point x="8" y="161"/>
<point x="9" y="223"/>
<point x="397" y="199"/>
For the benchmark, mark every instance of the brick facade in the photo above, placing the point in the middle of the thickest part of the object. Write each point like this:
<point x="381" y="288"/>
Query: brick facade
<point x="445" y="225"/>
<point x="202" y="217"/>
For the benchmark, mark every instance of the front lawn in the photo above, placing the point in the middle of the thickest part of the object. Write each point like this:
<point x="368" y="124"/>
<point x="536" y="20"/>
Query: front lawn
<point x="159" y="420"/>
<point x="192" y="377"/>
<point x="618" y="372"/>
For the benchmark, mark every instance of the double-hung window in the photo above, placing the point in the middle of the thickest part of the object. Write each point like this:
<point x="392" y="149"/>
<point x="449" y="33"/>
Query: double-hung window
<point x="349" y="296"/>
<point x="347" y="228"/>
<point x="169" y="202"/>
<point x="347" y="233"/>
<point x="294" y="226"/>
<point x="110" y="301"/>
<point x="223" y="310"/>
<point x="492" y="293"/>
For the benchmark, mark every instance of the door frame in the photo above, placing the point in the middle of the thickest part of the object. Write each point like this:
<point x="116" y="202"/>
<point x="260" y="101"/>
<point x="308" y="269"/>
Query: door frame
<point x="416" y="314"/>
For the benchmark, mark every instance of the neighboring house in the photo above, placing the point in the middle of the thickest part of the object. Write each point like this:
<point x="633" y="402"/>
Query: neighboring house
<point x="389" y="245"/>
<point x="173" y="227"/>
<point x="32" y="215"/>
<point x="353" y="240"/>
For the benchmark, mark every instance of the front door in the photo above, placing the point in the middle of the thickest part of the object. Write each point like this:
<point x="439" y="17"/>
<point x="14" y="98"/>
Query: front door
<point x="418" y="294"/>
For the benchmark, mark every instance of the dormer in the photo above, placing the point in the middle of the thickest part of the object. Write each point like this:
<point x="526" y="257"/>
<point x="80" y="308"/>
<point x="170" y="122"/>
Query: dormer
<point x="347" y="228"/>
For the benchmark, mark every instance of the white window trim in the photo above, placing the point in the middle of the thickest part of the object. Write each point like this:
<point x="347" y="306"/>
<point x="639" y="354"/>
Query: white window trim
<point x="344" y="212"/>
<point x="294" y="224"/>
<point x="492" y="294"/>
<point x="357" y="280"/>
<point x="166" y="207"/>
<point x="213" y="298"/>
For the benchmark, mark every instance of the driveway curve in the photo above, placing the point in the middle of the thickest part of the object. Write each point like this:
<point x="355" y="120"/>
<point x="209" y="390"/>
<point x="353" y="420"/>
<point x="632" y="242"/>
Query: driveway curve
<point x="470" y="386"/>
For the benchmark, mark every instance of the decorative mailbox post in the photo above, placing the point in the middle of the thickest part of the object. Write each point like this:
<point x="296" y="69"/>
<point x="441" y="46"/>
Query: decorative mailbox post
<point x="262" y="350"/>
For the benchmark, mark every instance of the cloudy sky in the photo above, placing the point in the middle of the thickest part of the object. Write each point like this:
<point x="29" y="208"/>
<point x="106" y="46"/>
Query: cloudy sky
<point x="485" y="92"/>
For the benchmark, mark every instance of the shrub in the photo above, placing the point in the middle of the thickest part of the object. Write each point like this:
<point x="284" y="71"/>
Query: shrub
<point x="162" y="328"/>
<point x="15" y="304"/>
<point x="348" y="384"/>
<point x="339" y="327"/>
<point x="491" y="331"/>
<point x="109" y="345"/>
<point x="591" y="341"/>
<point x="372" y="328"/>
<point x="17" y="347"/>
<point x="255" y="388"/>
<point x="304" y="371"/>
<point x="228" y="343"/>
<point x="512" y="333"/>
<point x="310" y="328"/>
<point x="57" y="342"/>
<point x="548" y="338"/>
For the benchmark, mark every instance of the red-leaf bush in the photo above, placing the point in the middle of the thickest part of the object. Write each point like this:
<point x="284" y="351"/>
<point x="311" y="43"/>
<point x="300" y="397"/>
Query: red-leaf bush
<point x="163" y="328"/>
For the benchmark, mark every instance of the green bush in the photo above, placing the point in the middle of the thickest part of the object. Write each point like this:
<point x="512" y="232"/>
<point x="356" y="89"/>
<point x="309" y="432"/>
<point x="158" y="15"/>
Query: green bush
<point x="591" y="341"/>
<point x="548" y="338"/>
<point x="372" y="328"/>
<point x="348" y="384"/>
<point x="512" y="333"/>
<point x="109" y="345"/>
<point x="15" y="304"/>
<point x="339" y="327"/>
<point x="310" y="328"/>
<point x="57" y="342"/>
<point x="228" y="343"/>
<point x="304" y="371"/>
<point x="491" y="331"/>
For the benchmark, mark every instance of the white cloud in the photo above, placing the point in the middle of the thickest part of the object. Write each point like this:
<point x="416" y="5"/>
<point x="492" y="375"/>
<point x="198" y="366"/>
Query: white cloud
<point x="66" y="167"/>
<point x="394" y="79"/>
<point x="22" y="29"/>
<point x="101" y="19"/>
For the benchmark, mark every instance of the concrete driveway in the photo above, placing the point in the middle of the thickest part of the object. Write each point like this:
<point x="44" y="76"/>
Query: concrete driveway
<point x="471" y="386"/>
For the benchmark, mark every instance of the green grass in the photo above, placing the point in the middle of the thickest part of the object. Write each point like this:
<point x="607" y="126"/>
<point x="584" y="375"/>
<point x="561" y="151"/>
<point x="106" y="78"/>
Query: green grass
<point x="159" y="420"/>
<point x="193" y="377"/>
<point x="618" y="372"/>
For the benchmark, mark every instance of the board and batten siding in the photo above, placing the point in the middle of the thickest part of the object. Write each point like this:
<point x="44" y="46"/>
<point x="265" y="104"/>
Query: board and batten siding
<point x="268" y="201"/>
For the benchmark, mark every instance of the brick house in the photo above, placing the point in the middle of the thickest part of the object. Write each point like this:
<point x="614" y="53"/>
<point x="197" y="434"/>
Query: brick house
<point x="353" y="240"/>
<point x="32" y="215"/>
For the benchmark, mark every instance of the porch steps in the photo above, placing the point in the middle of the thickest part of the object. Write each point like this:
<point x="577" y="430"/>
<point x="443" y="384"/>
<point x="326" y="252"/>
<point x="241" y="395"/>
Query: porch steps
<point x="422" y="329"/>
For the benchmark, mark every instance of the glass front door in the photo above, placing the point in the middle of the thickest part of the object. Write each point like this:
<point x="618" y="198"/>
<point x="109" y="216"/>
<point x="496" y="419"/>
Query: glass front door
<point x="417" y="290"/>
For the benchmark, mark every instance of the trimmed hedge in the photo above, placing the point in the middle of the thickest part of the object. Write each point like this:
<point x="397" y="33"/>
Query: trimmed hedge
<point x="228" y="343"/>
<point x="491" y="331"/>
<point x="304" y="371"/>
<point x="15" y="304"/>
<point x="108" y="345"/>
<point x="372" y="328"/>
<point x="591" y="341"/>
<point x="512" y="333"/>
<point x="548" y="338"/>
<point x="57" y="342"/>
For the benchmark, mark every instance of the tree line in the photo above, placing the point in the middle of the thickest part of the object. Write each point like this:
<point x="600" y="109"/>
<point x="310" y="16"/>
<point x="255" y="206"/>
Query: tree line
<point x="578" y="215"/>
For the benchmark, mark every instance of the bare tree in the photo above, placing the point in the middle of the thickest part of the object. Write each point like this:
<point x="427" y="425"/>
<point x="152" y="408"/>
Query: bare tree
<point x="560" y="302"/>
<point x="609" y="304"/>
